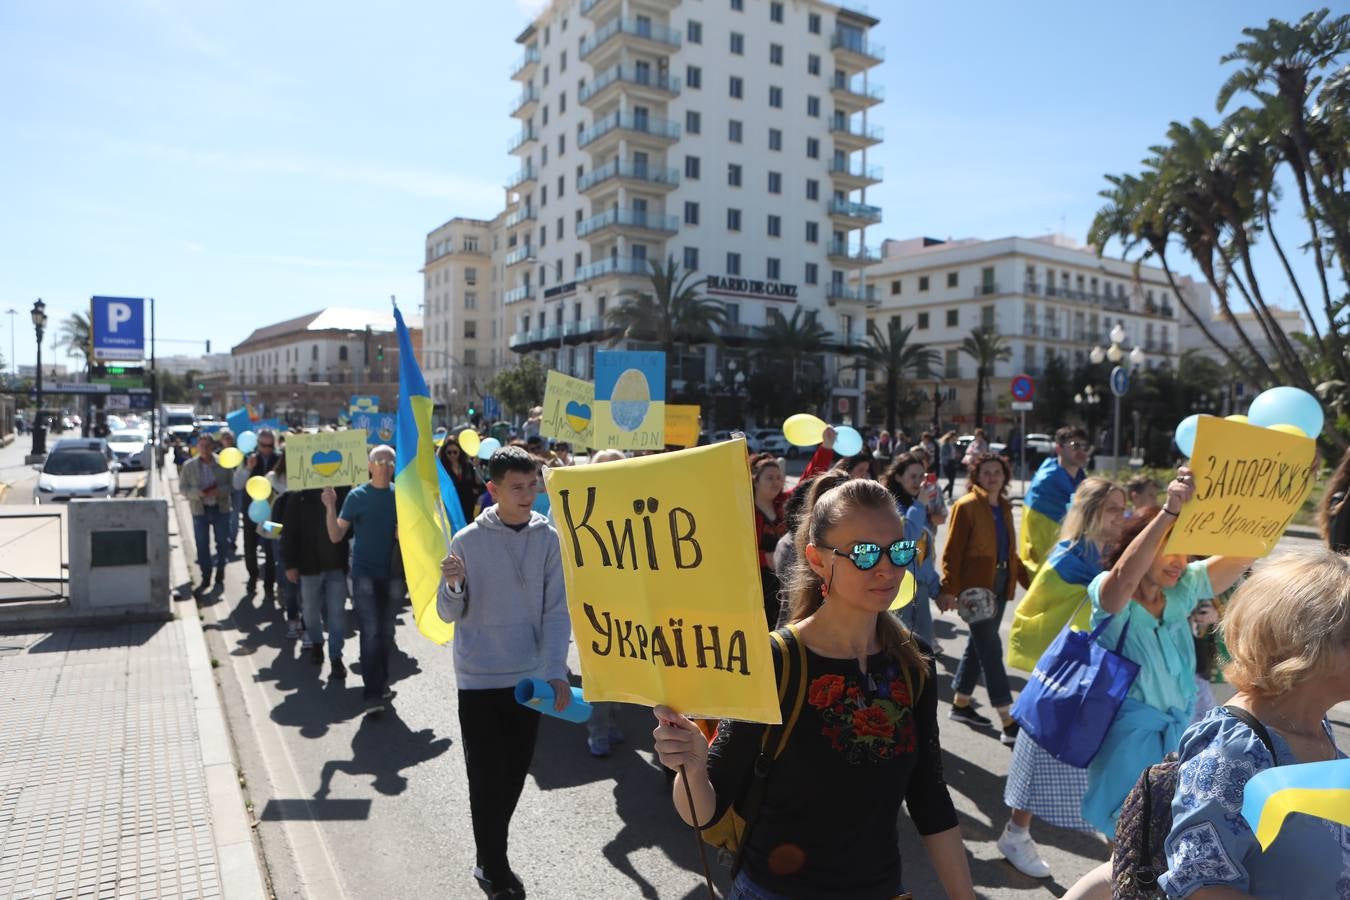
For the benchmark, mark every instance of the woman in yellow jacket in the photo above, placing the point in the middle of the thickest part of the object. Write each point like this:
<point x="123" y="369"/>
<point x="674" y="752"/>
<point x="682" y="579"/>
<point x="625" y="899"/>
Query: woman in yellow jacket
<point x="981" y="553"/>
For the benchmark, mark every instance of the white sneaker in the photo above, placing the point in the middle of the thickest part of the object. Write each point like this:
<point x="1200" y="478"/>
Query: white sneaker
<point x="1022" y="852"/>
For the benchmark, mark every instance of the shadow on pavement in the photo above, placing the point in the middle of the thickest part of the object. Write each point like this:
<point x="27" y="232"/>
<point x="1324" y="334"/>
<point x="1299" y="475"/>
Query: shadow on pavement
<point x="382" y="747"/>
<point x="97" y="637"/>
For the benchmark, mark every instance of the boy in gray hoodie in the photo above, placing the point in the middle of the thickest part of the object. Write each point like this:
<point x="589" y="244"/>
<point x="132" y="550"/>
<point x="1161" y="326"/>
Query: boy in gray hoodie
<point x="502" y="584"/>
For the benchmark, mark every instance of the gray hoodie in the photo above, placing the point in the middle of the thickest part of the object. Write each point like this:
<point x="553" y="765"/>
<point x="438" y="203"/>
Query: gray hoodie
<point x="510" y="615"/>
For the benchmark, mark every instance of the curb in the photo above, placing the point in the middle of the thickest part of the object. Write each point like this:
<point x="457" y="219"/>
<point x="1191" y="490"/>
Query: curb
<point x="241" y="872"/>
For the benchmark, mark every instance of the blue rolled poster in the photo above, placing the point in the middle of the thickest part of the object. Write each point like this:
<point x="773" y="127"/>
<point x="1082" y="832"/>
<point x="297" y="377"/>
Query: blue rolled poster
<point x="537" y="694"/>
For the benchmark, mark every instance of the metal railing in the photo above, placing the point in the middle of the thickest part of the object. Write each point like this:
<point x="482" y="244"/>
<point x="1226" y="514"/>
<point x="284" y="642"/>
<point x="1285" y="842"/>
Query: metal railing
<point x="854" y="210"/>
<point x="614" y="265"/>
<point x="524" y="214"/>
<point x="986" y="290"/>
<point x="24" y="547"/>
<point x="530" y="58"/>
<point x="839" y="291"/>
<point x="520" y="254"/>
<point x="663" y="128"/>
<point x="636" y="171"/>
<point x="852" y="43"/>
<point x="527" y="96"/>
<point x="630" y="218"/>
<point x="639" y="28"/>
<point x="517" y="294"/>
<point x="526" y="135"/>
<point x="871" y="91"/>
<point x="866" y="132"/>
<point x="856" y="170"/>
<point x="661" y="81"/>
<point x="861" y="254"/>
<point x="529" y="173"/>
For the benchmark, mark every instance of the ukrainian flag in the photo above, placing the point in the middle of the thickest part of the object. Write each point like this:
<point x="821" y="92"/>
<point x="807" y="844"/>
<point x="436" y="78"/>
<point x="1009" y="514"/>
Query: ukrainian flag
<point x="416" y="492"/>
<point x="1057" y="589"/>
<point x="1043" y="510"/>
<point x="1320" y="789"/>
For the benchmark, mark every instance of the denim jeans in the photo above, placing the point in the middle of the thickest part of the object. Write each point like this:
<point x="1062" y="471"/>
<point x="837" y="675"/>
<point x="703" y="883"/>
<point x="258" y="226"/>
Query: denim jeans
<point x="375" y="619"/>
<point x="984" y="652"/>
<point x="252" y="543"/>
<point x="290" y="593"/>
<point x="323" y="598"/>
<point x="211" y="520"/>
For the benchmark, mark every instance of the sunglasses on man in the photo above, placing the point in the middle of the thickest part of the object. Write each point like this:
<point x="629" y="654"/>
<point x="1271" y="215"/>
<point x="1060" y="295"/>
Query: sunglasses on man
<point x="866" y="555"/>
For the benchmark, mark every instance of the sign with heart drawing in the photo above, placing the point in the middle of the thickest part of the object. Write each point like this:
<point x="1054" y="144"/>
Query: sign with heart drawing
<point x="568" y="405"/>
<point x="326" y="459"/>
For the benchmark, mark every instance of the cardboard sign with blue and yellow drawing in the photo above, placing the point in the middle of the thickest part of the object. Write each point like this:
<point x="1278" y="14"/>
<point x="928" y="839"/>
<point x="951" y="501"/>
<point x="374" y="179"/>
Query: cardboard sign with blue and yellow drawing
<point x="326" y="459"/>
<point x="630" y="399"/>
<point x="380" y="428"/>
<point x="364" y="403"/>
<point x="568" y="410"/>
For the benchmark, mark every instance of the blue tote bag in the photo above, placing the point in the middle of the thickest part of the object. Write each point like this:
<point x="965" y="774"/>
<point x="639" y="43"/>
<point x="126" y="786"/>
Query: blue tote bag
<point x="1074" y="693"/>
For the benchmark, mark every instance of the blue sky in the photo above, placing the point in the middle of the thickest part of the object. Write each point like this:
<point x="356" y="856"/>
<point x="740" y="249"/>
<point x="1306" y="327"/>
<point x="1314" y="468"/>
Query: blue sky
<point x="248" y="162"/>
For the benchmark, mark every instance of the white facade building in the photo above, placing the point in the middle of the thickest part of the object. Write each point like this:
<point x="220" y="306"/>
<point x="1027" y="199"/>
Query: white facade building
<point x="1047" y="297"/>
<point x="1239" y="395"/>
<point x="181" y="364"/>
<point x="731" y="135"/>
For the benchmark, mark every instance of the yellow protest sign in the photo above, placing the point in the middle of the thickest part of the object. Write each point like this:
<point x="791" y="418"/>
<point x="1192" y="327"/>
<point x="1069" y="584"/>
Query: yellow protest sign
<point x="1249" y="483"/>
<point x="326" y="459"/>
<point x="569" y="405"/>
<point x="682" y="425"/>
<point x="663" y="582"/>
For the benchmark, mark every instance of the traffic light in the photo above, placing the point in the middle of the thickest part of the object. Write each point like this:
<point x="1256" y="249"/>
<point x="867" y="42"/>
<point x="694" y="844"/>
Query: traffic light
<point x="379" y="352"/>
<point x="208" y="346"/>
<point x="472" y="412"/>
<point x="201" y="385"/>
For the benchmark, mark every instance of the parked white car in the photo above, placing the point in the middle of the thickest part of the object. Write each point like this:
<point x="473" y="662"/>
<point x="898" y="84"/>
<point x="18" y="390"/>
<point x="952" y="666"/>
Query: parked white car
<point x="132" y="448"/>
<point x="75" y="474"/>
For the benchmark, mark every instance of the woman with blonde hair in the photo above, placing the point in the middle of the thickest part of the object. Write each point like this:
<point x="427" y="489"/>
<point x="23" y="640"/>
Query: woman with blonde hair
<point x="868" y="727"/>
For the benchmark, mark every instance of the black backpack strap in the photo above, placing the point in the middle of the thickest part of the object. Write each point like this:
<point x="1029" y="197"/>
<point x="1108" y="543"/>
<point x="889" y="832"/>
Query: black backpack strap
<point x="1255" y="725"/>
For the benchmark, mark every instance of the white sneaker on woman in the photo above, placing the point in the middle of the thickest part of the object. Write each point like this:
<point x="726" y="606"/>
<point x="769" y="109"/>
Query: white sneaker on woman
<point x="1023" y="853"/>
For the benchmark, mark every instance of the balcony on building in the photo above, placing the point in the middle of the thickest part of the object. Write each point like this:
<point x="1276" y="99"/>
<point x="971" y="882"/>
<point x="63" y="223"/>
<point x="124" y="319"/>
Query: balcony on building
<point x="524" y="105"/>
<point x="523" y="253"/>
<point x="524" y="214"/>
<point x="526" y="135"/>
<point x="640" y="83"/>
<point x="524" y="67"/>
<point x="575" y="332"/>
<point x="852" y="51"/>
<point x="627" y="221"/>
<point x="842" y="255"/>
<point x="854" y="135"/>
<point x="604" y="136"/>
<point x="637" y="34"/>
<point x="854" y="215"/>
<point x="840" y="292"/>
<point x="602" y="10"/>
<point x="851" y="175"/>
<point x="853" y="95"/>
<point x="524" y="176"/>
<point x="614" y="265"/>
<point x="986" y="289"/>
<point x="517" y="294"/>
<point x="629" y="174"/>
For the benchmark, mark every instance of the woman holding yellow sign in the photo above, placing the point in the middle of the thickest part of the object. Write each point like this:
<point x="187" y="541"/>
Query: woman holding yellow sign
<point x="859" y="721"/>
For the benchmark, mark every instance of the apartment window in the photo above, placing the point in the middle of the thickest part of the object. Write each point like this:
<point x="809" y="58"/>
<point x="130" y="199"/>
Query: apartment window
<point x="562" y="143"/>
<point x="895" y="287"/>
<point x="733" y="220"/>
<point x="813" y="107"/>
<point x="775" y="54"/>
<point x="812" y="64"/>
<point x="543" y="196"/>
<point x="693" y="32"/>
<point x="578" y="214"/>
<point x="952" y="279"/>
<point x="561" y="185"/>
<point x="738" y="43"/>
<point x="576" y="257"/>
<point x="923" y="321"/>
<point x="812" y="189"/>
<point x="543" y="155"/>
<point x="470" y="356"/>
<point x="545" y="111"/>
<point x="558" y="229"/>
<point x="736" y="87"/>
<point x="470" y="275"/>
<point x="775" y="226"/>
<point x="733" y="175"/>
<point x="735" y="130"/>
<point x="775" y="97"/>
<point x="693" y="122"/>
<point x="776" y="12"/>
<point x="773" y="268"/>
<point x="543" y="236"/>
<point x="691" y="167"/>
<point x="562" y="103"/>
<point x="557" y="271"/>
<point x="775" y="139"/>
<point x="952" y="363"/>
<point x="693" y="77"/>
<point x="690" y="213"/>
<point x="470" y="328"/>
<point x="813" y="232"/>
<point x="812" y="274"/>
<point x="813" y="23"/>
<point x="691" y="258"/>
<point x="733" y="264"/>
<point x="775" y="182"/>
<point x="923" y="283"/>
<point x="342" y="354"/>
<point x="738" y="5"/>
<point x="545" y="76"/>
<point x="813" y="148"/>
<point x="987" y="317"/>
<point x="470" y="300"/>
<point x="953" y="318"/>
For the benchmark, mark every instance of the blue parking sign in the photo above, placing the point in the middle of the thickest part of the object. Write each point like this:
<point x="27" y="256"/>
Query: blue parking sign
<point x="118" y="327"/>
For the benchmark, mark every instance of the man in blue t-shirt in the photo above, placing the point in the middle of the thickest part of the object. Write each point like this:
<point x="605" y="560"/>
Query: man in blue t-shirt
<point x="369" y="510"/>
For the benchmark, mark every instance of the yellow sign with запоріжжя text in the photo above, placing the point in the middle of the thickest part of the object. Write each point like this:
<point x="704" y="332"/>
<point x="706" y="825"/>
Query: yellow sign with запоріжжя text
<point x="663" y="582"/>
<point x="1249" y="483"/>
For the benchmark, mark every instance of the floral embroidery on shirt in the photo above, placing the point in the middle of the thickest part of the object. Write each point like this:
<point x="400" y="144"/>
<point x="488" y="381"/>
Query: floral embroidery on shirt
<point x="1197" y="857"/>
<point x="864" y="725"/>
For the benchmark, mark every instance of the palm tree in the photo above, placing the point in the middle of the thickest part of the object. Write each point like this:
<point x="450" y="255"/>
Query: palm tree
<point x="890" y="354"/>
<point x="788" y="340"/>
<point x="673" y="315"/>
<point x="986" y="347"/>
<point x="75" y="336"/>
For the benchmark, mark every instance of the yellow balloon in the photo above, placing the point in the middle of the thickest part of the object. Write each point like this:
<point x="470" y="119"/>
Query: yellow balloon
<point x="905" y="596"/>
<point x="1289" y="429"/>
<point x="258" y="487"/>
<point x="230" y="457"/>
<point x="803" y="430"/>
<point x="469" y="441"/>
<point x="1236" y="417"/>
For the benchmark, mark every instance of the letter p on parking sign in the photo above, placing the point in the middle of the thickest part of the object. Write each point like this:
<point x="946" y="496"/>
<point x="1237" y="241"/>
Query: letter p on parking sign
<point x="118" y="327"/>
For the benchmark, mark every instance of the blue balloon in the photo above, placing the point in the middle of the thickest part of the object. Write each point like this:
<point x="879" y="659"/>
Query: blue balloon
<point x="1287" y="406"/>
<point x="847" y="441"/>
<point x="1185" y="436"/>
<point x="258" y="511"/>
<point x="246" y="441"/>
<point x="488" y="447"/>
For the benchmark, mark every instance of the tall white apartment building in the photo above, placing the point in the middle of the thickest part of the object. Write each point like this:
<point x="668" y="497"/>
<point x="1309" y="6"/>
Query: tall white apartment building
<point x="1047" y="297"/>
<point x="731" y="135"/>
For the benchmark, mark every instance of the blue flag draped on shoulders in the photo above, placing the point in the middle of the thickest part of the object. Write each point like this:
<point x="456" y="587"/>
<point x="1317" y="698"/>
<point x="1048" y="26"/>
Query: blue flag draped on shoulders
<point x="1043" y="509"/>
<point x="416" y="492"/>
<point x="1057" y="589"/>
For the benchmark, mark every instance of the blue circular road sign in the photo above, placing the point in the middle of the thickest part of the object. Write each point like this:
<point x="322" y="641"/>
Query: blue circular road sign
<point x="1023" y="388"/>
<point x="1120" y="381"/>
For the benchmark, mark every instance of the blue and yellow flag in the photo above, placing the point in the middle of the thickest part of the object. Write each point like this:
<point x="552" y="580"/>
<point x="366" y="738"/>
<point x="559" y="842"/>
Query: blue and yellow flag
<point x="1043" y="510"/>
<point x="1058" y="588"/>
<point x="1320" y="789"/>
<point x="416" y="492"/>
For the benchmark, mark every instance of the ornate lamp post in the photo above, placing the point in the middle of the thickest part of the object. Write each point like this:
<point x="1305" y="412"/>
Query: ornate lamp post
<point x="39" y="314"/>
<point x="1115" y="353"/>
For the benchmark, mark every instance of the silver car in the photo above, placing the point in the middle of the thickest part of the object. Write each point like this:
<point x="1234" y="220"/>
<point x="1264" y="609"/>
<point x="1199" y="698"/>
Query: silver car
<point x="74" y="474"/>
<point x="131" y="448"/>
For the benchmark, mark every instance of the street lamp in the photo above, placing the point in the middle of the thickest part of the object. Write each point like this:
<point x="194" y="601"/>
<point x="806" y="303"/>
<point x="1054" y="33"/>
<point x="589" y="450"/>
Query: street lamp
<point x="733" y="386"/>
<point x="39" y="315"/>
<point x="1115" y="353"/>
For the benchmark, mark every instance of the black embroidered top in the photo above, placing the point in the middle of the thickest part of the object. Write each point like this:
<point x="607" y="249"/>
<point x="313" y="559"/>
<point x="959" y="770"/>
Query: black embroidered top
<point x="827" y="825"/>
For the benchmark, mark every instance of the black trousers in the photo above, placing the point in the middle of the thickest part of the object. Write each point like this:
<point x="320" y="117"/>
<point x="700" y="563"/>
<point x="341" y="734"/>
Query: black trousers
<point x="498" y="735"/>
<point x="251" y="542"/>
